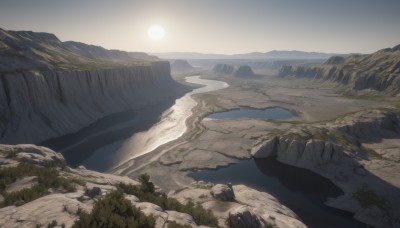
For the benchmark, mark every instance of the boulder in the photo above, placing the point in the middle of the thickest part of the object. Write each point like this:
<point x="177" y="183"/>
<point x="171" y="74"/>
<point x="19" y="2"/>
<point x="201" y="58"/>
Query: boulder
<point x="223" y="192"/>
<point x="243" y="217"/>
<point x="181" y="218"/>
<point x="35" y="154"/>
<point x="93" y="192"/>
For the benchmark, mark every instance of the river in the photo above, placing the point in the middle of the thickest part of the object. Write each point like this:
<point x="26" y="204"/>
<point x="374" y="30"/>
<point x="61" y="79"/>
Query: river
<point x="124" y="136"/>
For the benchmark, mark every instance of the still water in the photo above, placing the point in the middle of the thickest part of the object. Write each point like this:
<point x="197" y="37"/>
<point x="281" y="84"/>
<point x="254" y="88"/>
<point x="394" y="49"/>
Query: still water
<point x="303" y="191"/>
<point x="268" y="113"/>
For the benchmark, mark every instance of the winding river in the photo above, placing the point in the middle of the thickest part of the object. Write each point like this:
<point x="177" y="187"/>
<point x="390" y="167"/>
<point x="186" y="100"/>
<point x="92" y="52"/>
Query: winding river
<point x="124" y="136"/>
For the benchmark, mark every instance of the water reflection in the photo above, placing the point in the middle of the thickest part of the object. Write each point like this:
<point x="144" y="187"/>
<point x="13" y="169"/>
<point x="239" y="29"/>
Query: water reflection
<point x="123" y="136"/>
<point x="301" y="190"/>
<point x="268" y="113"/>
<point x="172" y="123"/>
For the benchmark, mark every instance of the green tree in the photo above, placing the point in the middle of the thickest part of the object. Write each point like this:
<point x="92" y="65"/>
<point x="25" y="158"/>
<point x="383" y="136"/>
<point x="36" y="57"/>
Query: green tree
<point x="147" y="185"/>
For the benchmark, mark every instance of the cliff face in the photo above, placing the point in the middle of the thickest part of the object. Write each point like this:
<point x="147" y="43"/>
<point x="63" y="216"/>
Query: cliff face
<point x="238" y="71"/>
<point x="357" y="152"/>
<point x="244" y="71"/>
<point x="35" y="106"/>
<point x="49" y="88"/>
<point x="223" y="69"/>
<point x="378" y="71"/>
<point x="308" y="146"/>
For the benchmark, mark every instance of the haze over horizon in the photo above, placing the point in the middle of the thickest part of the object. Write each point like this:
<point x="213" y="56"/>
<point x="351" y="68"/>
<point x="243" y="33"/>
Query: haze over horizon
<point x="209" y="26"/>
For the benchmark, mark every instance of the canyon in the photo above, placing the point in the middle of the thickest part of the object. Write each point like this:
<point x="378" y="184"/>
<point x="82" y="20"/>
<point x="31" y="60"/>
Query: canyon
<point x="345" y="128"/>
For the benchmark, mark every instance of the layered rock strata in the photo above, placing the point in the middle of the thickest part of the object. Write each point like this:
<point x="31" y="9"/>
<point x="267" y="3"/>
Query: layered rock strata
<point x="35" y="106"/>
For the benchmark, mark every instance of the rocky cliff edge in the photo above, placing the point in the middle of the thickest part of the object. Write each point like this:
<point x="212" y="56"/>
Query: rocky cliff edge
<point x="62" y="205"/>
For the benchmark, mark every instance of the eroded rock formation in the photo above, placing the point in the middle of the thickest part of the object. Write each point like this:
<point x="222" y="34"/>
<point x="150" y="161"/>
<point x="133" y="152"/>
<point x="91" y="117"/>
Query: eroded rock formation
<point x="378" y="71"/>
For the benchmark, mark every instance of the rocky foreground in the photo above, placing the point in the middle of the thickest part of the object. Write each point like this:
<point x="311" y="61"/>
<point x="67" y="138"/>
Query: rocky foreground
<point x="80" y="189"/>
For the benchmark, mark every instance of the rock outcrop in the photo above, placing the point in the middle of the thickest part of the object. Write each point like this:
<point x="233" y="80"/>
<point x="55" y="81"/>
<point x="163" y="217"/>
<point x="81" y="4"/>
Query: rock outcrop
<point x="298" y="152"/>
<point x="223" y="69"/>
<point x="378" y="71"/>
<point x="181" y="65"/>
<point x="244" y="71"/>
<point x="34" y="154"/>
<point x="223" y="192"/>
<point x="321" y="144"/>
<point x="353" y="151"/>
<point x="237" y="71"/>
<point x="250" y="207"/>
<point x="243" y="217"/>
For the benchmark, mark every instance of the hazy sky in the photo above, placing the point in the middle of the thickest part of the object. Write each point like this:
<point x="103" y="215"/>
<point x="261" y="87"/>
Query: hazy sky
<point x="213" y="26"/>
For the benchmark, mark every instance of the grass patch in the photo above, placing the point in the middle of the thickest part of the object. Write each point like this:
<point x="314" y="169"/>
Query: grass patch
<point x="371" y="153"/>
<point x="368" y="198"/>
<point x="9" y="153"/>
<point x="48" y="177"/>
<point x="340" y="138"/>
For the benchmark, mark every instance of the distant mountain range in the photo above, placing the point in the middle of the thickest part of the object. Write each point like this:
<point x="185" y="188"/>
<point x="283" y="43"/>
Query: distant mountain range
<point x="253" y="55"/>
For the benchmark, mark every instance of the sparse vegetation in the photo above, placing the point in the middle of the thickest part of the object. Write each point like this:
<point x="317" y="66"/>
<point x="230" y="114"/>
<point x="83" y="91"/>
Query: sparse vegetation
<point x="173" y="224"/>
<point x="145" y="193"/>
<point x="371" y="153"/>
<point x="229" y="223"/>
<point x="48" y="177"/>
<point x="209" y="99"/>
<point x="11" y="154"/>
<point x="52" y="224"/>
<point x="368" y="197"/>
<point x="114" y="211"/>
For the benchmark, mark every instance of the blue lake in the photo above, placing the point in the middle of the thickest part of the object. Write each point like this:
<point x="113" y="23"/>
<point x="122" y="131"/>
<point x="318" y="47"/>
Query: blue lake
<point x="269" y="113"/>
<point x="303" y="191"/>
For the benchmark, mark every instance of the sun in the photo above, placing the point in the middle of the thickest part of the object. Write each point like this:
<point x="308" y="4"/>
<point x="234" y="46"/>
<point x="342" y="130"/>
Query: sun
<point x="156" y="32"/>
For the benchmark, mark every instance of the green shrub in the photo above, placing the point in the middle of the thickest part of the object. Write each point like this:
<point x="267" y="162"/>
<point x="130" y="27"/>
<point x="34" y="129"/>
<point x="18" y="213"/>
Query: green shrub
<point x="48" y="177"/>
<point x="368" y="197"/>
<point x="52" y="224"/>
<point x="11" y="154"/>
<point x="146" y="193"/>
<point x="114" y="211"/>
<point x="146" y="184"/>
<point x="173" y="224"/>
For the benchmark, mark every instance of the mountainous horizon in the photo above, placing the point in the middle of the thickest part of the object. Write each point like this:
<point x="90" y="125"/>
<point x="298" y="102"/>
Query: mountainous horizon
<point x="274" y="54"/>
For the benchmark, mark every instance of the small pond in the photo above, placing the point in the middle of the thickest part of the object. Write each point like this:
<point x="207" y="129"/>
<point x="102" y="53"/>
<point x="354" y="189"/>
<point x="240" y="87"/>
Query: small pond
<point x="276" y="113"/>
<point x="301" y="190"/>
